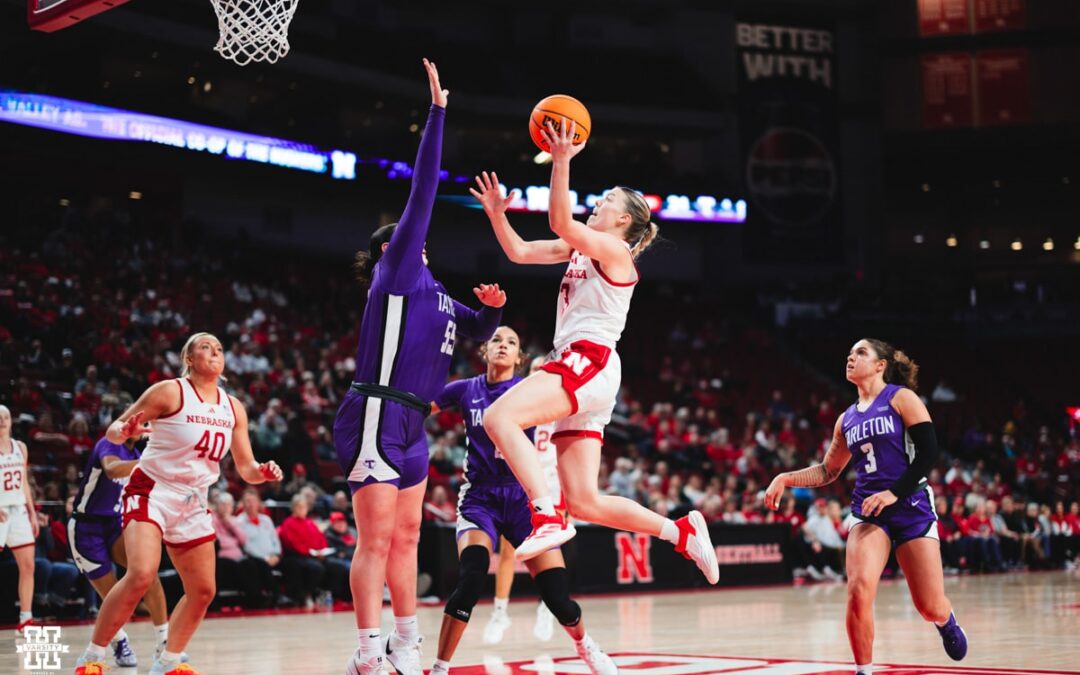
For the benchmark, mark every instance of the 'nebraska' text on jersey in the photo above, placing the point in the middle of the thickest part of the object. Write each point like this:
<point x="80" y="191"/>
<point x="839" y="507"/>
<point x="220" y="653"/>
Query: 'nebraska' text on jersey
<point x="186" y="447"/>
<point x="590" y="305"/>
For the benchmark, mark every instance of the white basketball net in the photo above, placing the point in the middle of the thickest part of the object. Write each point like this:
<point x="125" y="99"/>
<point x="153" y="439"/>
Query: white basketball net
<point x="253" y="30"/>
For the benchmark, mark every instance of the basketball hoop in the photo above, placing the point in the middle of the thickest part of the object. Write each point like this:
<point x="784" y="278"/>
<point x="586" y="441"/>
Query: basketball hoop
<point x="253" y="30"/>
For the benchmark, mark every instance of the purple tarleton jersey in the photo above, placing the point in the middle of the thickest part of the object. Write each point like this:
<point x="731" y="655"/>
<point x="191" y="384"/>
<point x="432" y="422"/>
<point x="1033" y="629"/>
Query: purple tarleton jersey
<point x="407" y="337"/>
<point x="879" y="445"/>
<point x="474" y="396"/>
<point x="98" y="494"/>
<point x="410" y="322"/>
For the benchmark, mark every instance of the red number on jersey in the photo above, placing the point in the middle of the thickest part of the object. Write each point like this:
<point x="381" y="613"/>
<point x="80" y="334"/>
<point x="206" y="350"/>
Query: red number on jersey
<point x="543" y="440"/>
<point x="564" y="291"/>
<point x="13" y="480"/>
<point x="212" y="452"/>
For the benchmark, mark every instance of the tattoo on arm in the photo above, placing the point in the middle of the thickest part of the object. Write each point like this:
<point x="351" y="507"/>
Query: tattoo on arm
<point x="816" y="475"/>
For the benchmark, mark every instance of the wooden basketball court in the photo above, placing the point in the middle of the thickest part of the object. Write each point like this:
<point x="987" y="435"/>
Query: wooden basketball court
<point x="1025" y="622"/>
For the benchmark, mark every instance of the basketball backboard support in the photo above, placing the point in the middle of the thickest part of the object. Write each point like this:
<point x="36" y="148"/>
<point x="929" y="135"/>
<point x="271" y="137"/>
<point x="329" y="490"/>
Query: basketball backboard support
<point x="52" y="15"/>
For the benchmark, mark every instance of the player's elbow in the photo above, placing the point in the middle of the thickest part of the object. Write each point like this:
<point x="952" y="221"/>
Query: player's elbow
<point x="517" y="255"/>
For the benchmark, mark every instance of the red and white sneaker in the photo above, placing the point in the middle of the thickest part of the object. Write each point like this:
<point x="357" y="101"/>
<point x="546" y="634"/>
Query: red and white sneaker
<point x="22" y="626"/>
<point x="547" y="533"/>
<point x="695" y="544"/>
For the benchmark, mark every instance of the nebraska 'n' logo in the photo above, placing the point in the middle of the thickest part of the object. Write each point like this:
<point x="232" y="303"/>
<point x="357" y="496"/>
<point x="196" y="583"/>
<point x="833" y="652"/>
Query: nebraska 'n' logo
<point x="635" y="564"/>
<point x="577" y="362"/>
<point x="132" y="503"/>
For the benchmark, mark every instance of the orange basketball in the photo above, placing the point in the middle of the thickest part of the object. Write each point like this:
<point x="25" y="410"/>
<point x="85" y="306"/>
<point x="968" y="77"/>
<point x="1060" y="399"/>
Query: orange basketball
<point x="553" y="109"/>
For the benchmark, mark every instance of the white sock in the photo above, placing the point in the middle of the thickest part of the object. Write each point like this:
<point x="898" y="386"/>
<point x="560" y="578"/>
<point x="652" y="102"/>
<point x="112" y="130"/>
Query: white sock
<point x="670" y="531"/>
<point x="169" y="657"/>
<point x="97" y="652"/>
<point x="407" y="627"/>
<point x="440" y="666"/>
<point x="370" y="644"/>
<point x="25" y="616"/>
<point x="868" y="669"/>
<point x="120" y="635"/>
<point x="544" y="505"/>
<point x="162" y="632"/>
<point x="501" y="604"/>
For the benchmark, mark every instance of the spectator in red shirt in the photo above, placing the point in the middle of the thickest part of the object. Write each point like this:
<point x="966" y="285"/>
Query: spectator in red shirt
<point x="438" y="508"/>
<point x="720" y="449"/>
<point x="1027" y="471"/>
<point x="303" y="547"/>
<point x="79" y="436"/>
<point x="952" y="553"/>
<point x="1073" y="518"/>
<point x="1060" y="521"/>
<point x="26" y="398"/>
<point x="981" y="532"/>
<point x="87" y="401"/>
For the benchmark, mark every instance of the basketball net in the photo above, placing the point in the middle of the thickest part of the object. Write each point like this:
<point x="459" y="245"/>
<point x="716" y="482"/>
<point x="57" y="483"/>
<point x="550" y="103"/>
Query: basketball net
<point x="253" y="30"/>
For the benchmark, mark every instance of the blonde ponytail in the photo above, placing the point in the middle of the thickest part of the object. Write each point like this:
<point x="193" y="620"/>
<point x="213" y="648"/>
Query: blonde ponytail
<point x="646" y="240"/>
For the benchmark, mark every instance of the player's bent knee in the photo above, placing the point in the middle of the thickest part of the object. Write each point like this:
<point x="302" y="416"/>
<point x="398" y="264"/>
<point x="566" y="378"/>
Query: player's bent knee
<point x="141" y="579"/>
<point x="554" y="585"/>
<point x="472" y="572"/>
<point x="202" y="594"/>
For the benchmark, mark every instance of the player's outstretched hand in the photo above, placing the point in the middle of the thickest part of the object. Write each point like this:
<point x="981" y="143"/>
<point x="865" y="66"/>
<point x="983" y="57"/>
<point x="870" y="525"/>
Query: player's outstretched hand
<point x="775" y="493"/>
<point x="438" y="94"/>
<point x="490" y="196"/>
<point x="561" y="140"/>
<point x="490" y="295"/>
<point x="270" y="471"/>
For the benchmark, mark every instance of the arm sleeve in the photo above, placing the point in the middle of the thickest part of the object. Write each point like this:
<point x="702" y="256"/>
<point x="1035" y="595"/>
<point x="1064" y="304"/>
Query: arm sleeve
<point x="451" y="394"/>
<point x="924" y="439"/>
<point x="402" y="261"/>
<point x="478" y="325"/>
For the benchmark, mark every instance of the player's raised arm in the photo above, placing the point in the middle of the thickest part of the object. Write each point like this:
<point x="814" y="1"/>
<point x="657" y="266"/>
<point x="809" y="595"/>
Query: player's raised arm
<point x="404" y="257"/>
<point x="518" y="250"/>
<point x="609" y="250"/>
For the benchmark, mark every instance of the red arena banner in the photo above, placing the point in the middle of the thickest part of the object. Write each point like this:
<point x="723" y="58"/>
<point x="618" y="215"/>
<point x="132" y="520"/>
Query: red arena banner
<point x="1002" y="76"/>
<point x="947" y="100"/>
<point x="943" y="17"/>
<point x="995" y="15"/>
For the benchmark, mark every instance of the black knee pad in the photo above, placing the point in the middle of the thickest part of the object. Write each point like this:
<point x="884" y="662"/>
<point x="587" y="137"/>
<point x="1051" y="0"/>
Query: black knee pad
<point x="472" y="571"/>
<point x="554" y="585"/>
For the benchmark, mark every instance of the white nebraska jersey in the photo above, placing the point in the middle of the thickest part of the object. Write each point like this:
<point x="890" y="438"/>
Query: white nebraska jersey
<point x="12" y="476"/>
<point x="591" y="306"/>
<point x="186" y="447"/>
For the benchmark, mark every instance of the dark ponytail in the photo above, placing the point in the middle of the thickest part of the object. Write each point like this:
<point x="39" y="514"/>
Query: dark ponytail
<point x="364" y="262"/>
<point x="899" y="368"/>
